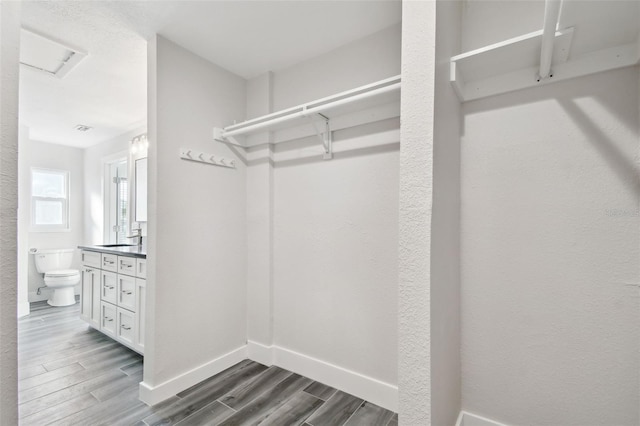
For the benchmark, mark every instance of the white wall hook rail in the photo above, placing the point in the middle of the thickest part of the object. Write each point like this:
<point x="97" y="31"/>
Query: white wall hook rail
<point x="203" y="157"/>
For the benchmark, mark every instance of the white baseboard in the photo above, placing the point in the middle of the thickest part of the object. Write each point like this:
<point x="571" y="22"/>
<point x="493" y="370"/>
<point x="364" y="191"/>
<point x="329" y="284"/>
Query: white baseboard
<point x="468" y="419"/>
<point x="260" y="353"/>
<point x="23" y="309"/>
<point x="368" y="388"/>
<point x="152" y="395"/>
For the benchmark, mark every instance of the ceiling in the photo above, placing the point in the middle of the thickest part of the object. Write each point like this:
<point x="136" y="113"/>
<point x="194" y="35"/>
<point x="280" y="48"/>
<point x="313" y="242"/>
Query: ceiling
<point x="107" y="88"/>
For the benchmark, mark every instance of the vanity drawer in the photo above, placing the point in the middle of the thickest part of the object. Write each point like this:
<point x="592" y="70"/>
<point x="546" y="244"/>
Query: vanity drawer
<point x="126" y="326"/>
<point x="91" y="258"/>
<point x="127" y="265"/>
<point x="109" y="287"/>
<point x="127" y="292"/>
<point x="109" y="262"/>
<point x="108" y="315"/>
<point x="141" y="270"/>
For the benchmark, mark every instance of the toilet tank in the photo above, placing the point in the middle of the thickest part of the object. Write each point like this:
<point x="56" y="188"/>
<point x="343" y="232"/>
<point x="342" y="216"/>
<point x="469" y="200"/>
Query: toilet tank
<point x="52" y="259"/>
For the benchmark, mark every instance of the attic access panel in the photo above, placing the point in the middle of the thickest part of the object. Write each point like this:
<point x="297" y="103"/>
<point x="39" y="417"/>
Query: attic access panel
<point x="47" y="55"/>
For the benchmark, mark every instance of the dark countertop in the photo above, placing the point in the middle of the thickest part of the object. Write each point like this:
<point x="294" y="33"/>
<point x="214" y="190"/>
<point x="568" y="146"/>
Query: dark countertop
<point x="132" y="251"/>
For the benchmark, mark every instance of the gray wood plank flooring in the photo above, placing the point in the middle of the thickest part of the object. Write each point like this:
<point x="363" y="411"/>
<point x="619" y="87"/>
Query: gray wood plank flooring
<point x="70" y="374"/>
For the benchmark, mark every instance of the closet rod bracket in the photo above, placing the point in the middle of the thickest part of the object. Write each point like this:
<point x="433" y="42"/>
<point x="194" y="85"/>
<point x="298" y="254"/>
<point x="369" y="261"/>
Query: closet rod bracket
<point x="325" y="137"/>
<point x="218" y="135"/>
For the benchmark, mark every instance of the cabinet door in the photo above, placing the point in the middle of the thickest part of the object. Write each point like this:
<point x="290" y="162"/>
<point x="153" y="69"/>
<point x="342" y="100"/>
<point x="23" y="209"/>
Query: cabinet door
<point x="127" y="292"/>
<point x="109" y="290"/>
<point x="141" y="300"/>
<point x="127" y="265"/>
<point x="85" y="293"/>
<point x="108" y="319"/>
<point x="95" y="300"/>
<point x="126" y="327"/>
<point x="90" y="297"/>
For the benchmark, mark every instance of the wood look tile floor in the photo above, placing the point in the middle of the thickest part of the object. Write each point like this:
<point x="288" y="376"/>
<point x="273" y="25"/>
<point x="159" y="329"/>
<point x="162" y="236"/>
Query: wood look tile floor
<point x="70" y="374"/>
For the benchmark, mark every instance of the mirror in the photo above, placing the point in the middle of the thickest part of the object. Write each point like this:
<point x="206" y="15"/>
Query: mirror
<point x="141" y="190"/>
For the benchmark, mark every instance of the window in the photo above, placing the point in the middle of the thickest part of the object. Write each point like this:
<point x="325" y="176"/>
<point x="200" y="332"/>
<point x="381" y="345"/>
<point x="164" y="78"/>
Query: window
<point x="49" y="200"/>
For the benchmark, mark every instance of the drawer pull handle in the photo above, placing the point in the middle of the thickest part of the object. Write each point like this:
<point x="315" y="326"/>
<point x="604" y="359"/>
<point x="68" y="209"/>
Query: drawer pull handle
<point x="109" y="319"/>
<point x="127" y="266"/>
<point x="88" y="270"/>
<point x="110" y="287"/>
<point x="125" y="327"/>
<point x="126" y="291"/>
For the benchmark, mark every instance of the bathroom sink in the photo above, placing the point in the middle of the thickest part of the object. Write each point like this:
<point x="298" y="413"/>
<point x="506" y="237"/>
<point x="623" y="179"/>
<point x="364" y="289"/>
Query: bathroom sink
<point x="114" y="245"/>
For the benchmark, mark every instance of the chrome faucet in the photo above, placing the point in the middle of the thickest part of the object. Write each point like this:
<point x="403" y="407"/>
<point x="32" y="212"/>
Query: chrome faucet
<point x="138" y="235"/>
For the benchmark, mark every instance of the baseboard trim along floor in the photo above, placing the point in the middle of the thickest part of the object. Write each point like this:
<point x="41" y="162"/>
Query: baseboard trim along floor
<point x="468" y="419"/>
<point x="380" y="393"/>
<point x="153" y="395"/>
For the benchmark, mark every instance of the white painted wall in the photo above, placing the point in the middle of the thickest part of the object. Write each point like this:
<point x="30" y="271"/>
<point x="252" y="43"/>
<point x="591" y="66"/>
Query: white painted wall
<point x="58" y="157"/>
<point x="364" y="61"/>
<point x="335" y="222"/>
<point x="197" y="220"/>
<point x="486" y="22"/>
<point x="445" y="225"/>
<point x="415" y="212"/>
<point x="550" y="251"/>
<point x="335" y="260"/>
<point x="94" y="160"/>
<point x="9" y="56"/>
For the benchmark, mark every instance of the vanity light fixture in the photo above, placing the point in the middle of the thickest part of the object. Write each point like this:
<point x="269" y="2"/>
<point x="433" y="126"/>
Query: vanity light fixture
<point x="139" y="143"/>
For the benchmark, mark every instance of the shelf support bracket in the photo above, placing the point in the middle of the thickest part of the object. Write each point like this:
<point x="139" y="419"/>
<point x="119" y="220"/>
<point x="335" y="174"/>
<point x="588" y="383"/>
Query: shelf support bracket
<point x="218" y="135"/>
<point x="325" y="137"/>
<point x="551" y="19"/>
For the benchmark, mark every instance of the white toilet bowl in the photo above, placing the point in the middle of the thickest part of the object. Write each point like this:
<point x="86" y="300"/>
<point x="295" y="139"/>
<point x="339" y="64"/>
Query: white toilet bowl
<point x="62" y="283"/>
<point x="54" y="264"/>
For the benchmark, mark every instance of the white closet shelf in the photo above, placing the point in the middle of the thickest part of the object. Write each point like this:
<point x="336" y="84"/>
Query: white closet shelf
<point x="514" y="64"/>
<point x="361" y="98"/>
<point x="475" y="67"/>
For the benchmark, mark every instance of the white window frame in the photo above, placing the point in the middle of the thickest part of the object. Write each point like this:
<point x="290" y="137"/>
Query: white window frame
<point x="66" y="214"/>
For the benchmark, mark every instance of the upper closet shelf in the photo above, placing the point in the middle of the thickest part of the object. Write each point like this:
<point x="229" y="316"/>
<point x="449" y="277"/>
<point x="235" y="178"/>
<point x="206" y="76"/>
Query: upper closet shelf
<point x="317" y="112"/>
<point x="482" y="72"/>
<point x="533" y="59"/>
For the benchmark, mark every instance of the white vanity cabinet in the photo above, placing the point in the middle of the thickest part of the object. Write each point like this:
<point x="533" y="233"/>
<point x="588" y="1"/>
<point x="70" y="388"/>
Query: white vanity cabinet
<point x="114" y="295"/>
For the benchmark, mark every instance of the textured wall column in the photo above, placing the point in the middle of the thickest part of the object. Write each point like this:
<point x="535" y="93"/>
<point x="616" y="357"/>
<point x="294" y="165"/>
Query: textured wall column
<point x="9" y="53"/>
<point x="416" y="191"/>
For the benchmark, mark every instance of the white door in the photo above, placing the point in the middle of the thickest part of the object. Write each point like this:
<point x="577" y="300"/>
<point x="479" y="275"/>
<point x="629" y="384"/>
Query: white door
<point x="116" y="202"/>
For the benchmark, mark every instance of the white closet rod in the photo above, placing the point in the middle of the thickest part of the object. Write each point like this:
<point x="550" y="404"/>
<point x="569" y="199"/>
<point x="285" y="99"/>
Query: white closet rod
<point x="309" y="108"/>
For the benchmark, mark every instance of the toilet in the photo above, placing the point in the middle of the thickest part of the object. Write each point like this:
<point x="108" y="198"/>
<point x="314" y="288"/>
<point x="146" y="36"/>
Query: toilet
<point x="55" y="264"/>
